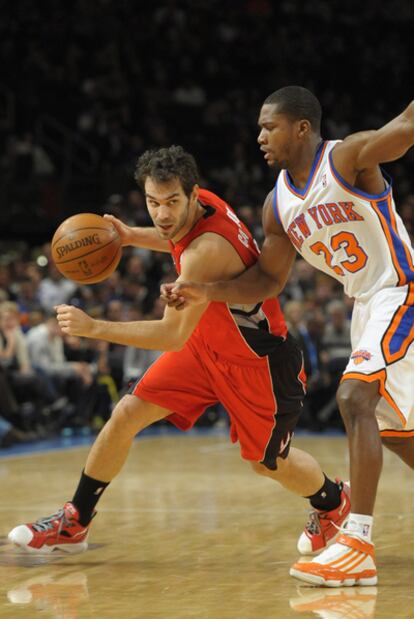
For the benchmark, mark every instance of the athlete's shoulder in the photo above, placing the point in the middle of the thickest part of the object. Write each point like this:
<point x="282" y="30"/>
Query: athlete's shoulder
<point x="353" y="139"/>
<point x="345" y="154"/>
<point x="210" y="198"/>
<point x="210" y="256"/>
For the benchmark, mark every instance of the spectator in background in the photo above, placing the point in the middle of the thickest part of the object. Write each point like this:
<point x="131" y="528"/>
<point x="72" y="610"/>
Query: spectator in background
<point x="100" y="391"/>
<point x="336" y="345"/>
<point x="10" y="435"/>
<point x="301" y="283"/>
<point x="54" y="289"/>
<point x="27" y="299"/>
<point x="336" y="341"/>
<point x="308" y="328"/>
<point x="26" y="386"/>
<point x="13" y="348"/>
<point x="6" y="281"/>
<point x="115" y="311"/>
<point x="138" y="360"/>
<point x="294" y="314"/>
<point x="63" y="378"/>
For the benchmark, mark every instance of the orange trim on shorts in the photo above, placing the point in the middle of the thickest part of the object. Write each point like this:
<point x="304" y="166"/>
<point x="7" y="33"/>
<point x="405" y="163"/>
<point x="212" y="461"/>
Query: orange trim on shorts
<point x="397" y="433"/>
<point x="393" y="327"/>
<point x="381" y="377"/>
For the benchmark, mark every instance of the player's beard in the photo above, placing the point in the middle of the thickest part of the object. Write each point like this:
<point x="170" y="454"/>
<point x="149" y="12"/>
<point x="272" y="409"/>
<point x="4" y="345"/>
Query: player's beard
<point x="177" y="226"/>
<point x="182" y="221"/>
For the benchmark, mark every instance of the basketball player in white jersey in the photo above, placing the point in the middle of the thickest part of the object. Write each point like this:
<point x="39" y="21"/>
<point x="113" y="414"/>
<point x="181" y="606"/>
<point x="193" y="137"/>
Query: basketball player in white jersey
<point x="333" y="204"/>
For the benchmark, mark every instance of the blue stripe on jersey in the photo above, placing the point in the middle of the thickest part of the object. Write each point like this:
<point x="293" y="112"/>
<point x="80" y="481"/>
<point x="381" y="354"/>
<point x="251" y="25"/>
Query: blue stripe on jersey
<point x="359" y="192"/>
<point x="397" y="242"/>
<point x="402" y="332"/>
<point x="316" y="160"/>
<point x="275" y="207"/>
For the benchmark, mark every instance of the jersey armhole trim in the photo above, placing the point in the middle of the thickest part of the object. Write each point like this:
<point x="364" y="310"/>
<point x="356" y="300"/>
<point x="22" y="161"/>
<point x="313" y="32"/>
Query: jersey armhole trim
<point x="276" y="206"/>
<point x="358" y="192"/>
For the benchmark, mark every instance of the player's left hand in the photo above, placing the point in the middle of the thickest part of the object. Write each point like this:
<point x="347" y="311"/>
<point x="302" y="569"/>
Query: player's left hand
<point x="73" y="321"/>
<point x="181" y="294"/>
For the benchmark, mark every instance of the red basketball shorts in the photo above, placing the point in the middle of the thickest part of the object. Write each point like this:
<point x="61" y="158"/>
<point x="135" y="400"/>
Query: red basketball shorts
<point x="263" y="397"/>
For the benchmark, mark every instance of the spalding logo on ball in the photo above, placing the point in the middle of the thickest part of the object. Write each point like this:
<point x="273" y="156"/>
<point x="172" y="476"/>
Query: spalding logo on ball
<point x="86" y="248"/>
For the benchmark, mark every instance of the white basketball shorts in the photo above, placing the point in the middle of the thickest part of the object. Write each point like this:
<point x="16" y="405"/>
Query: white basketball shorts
<point x="382" y="335"/>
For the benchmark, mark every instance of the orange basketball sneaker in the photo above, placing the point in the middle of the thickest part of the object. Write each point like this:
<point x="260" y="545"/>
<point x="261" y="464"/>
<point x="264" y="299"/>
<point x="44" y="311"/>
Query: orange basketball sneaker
<point x="323" y="527"/>
<point x="60" y="531"/>
<point x="350" y="561"/>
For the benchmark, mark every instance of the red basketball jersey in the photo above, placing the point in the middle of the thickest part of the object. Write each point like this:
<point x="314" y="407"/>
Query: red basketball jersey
<point x="235" y="331"/>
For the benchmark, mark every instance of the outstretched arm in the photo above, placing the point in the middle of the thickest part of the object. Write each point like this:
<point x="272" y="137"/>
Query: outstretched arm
<point x="366" y="150"/>
<point x="173" y="330"/>
<point x="146" y="237"/>
<point x="263" y="280"/>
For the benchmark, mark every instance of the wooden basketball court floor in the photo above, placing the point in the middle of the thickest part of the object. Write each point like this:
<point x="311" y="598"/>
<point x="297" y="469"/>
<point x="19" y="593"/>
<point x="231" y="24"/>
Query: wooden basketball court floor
<point x="188" y="530"/>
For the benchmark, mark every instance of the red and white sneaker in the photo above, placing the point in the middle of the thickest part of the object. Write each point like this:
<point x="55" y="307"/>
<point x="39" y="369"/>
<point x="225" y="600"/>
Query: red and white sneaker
<point x="60" y="531"/>
<point x="348" y="562"/>
<point x="323" y="527"/>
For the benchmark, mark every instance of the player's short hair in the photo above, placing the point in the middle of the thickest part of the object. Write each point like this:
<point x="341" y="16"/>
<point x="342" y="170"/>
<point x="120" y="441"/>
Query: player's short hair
<point x="298" y="103"/>
<point x="165" y="164"/>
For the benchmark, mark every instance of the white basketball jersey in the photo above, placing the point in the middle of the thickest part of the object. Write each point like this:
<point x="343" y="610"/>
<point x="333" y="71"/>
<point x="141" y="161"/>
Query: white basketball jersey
<point x="356" y="237"/>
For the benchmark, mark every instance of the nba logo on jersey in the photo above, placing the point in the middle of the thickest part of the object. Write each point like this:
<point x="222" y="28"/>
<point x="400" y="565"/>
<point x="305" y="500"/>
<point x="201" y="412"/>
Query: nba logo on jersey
<point x="324" y="183"/>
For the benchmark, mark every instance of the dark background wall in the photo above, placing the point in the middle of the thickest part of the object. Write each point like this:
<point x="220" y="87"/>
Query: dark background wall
<point x="88" y="85"/>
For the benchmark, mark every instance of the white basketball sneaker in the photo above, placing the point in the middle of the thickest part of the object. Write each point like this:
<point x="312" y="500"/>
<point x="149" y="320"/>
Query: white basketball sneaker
<point x="349" y="561"/>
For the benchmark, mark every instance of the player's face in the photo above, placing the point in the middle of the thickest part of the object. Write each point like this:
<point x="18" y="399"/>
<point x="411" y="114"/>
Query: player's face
<point x="168" y="206"/>
<point x="276" y="137"/>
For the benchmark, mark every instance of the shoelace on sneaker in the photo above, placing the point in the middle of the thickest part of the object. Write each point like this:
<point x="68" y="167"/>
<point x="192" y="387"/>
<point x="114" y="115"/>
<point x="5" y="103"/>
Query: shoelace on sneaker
<point x="313" y="525"/>
<point x="43" y="524"/>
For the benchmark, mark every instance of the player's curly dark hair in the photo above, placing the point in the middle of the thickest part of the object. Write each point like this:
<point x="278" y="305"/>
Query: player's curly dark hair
<point x="298" y="103"/>
<point x="164" y="164"/>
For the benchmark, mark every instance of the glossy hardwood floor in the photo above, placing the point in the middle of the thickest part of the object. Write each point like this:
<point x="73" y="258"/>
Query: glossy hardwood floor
<point x="188" y="530"/>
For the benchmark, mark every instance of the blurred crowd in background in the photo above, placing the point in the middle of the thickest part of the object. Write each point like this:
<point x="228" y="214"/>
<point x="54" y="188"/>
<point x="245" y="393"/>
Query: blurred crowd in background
<point x="85" y="91"/>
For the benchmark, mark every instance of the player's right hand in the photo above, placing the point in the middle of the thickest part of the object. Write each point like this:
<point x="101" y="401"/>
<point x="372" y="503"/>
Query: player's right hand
<point x="184" y="294"/>
<point x="124" y="231"/>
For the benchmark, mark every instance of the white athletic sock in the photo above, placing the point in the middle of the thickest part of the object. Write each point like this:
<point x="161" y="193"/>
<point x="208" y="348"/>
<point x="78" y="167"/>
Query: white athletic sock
<point x="360" y="525"/>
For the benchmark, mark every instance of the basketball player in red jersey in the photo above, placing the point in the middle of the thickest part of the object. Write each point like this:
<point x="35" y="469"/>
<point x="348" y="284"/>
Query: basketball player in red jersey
<point x="333" y="204"/>
<point x="241" y="356"/>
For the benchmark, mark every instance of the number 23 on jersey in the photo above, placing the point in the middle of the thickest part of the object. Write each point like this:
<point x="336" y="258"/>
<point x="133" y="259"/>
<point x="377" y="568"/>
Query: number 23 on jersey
<point x="356" y="257"/>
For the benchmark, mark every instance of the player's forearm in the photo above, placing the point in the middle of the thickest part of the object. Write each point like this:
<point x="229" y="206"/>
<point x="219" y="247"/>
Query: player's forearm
<point x="149" y="334"/>
<point x="251" y="286"/>
<point x="148" y="238"/>
<point x="392" y="141"/>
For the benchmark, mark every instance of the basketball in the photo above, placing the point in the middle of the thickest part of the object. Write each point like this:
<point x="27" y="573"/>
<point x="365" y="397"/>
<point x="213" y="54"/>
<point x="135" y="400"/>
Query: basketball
<point x="86" y="248"/>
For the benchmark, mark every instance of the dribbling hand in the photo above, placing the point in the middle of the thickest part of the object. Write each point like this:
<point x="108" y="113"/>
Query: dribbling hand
<point x="123" y="230"/>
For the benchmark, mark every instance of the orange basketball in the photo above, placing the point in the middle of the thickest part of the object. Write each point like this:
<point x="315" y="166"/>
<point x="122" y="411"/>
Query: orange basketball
<point x="86" y="248"/>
